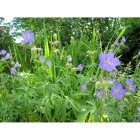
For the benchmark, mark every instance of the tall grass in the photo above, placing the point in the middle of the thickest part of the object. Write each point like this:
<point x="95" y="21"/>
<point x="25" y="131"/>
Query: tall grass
<point x="54" y="93"/>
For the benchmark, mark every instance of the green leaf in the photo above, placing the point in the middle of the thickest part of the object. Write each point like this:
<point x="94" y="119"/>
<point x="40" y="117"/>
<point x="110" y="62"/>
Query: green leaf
<point x="120" y="35"/>
<point x="83" y="116"/>
<point x="61" y="105"/>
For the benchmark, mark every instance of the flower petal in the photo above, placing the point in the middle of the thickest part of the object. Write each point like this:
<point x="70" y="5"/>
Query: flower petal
<point x="102" y="57"/>
<point x="112" y="93"/>
<point x="110" y="55"/>
<point x="127" y="82"/>
<point x="122" y="91"/>
<point x="115" y="61"/>
<point x="118" y="96"/>
<point x="25" y="41"/>
<point x="133" y="88"/>
<point x="131" y="82"/>
<point x="102" y="65"/>
<point x="109" y="68"/>
<point x="119" y="86"/>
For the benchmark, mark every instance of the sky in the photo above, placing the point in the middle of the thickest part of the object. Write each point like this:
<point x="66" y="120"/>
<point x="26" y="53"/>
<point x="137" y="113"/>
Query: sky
<point x="9" y="19"/>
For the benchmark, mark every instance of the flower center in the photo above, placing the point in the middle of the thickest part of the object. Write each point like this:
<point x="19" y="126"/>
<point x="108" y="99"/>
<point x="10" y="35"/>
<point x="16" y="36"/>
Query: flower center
<point x="107" y="62"/>
<point x="129" y="87"/>
<point x="28" y="37"/>
<point x="117" y="91"/>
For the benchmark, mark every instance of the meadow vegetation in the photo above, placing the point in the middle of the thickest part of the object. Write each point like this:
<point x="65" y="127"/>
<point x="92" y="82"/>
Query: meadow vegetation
<point x="49" y="78"/>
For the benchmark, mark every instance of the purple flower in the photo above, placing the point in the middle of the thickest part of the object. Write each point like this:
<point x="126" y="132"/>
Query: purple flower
<point x="139" y="110"/>
<point x="41" y="59"/>
<point x="117" y="91"/>
<point x="80" y="67"/>
<point x="120" y="106"/>
<point x="134" y="120"/>
<point x="117" y="43"/>
<point x="13" y="71"/>
<point x="3" y="52"/>
<point x="27" y="37"/>
<point x="113" y="81"/>
<point x="108" y="62"/>
<point x="99" y="93"/>
<point x="139" y="52"/>
<point x="123" y="39"/>
<point x="49" y="63"/>
<point x="115" y="73"/>
<point x="16" y="65"/>
<point x="99" y="111"/>
<point x="130" y="87"/>
<point x="7" y="56"/>
<point x="69" y="58"/>
<point x="83" y="87"/>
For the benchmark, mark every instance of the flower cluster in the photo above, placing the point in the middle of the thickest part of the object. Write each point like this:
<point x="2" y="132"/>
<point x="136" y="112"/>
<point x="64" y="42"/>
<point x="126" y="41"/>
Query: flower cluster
<point x="108" y="62"/>
<point x="13" y="70"/>
<point x="43" y="60"/>
<point x="117" y="90"/>
<point x="5" y="54"/>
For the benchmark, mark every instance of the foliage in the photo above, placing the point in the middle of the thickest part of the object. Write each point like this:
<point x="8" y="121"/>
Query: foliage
<point x="52" y="87"/>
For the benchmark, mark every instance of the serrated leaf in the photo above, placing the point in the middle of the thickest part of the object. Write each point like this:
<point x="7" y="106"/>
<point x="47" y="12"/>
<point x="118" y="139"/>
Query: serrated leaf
<point x="64" y="107"/>
<point x="83" y="115"/>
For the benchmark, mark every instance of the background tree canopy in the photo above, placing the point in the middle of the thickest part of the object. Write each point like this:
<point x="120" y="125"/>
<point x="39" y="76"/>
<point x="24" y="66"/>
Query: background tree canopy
<point x="108" y="28"/>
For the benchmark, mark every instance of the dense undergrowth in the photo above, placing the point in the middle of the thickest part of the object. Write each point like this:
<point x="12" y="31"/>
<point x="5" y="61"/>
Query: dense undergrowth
<point x="80" y="82"/>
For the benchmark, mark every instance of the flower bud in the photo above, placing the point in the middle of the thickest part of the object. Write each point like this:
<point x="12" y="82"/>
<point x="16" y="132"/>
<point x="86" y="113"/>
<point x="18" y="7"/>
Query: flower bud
<point x="126" y="100"/>
<point x="127" y="94"/>
<point x="55" y="37"/>
<point x="98" y="85"/>
<point x="104" y="83"/>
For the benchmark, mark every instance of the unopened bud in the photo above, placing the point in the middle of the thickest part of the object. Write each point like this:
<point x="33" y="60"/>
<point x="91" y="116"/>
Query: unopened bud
<point x="98" y="85"/>
<point x="55" y="37"/>
<point x="104" y="83"/>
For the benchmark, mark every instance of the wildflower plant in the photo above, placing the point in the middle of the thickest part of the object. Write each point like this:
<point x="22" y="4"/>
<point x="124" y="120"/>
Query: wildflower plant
<point x="28" y="37"/>
<point x="139" y="110"/>
<point x="49" y="63"/>
<point x="108" y="62"/>
<point x="130" y="85"/>
<point x="83" y="87"/>
<point x="123" y="39"/>
<point x="80" y="67"/>
<point x="69" y="58"/>
<point x="118" y="91"/>
<point x="99" y="93"/>
<point x="62" y="86"/>
<point x="117" y="43"/>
